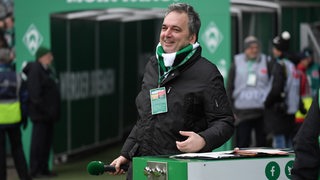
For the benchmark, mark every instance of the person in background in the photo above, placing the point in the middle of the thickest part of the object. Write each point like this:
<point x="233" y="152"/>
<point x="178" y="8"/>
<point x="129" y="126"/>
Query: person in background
<point x="248" y="85"/>
<point x="182" y="105"/>
<point x="9" y="35"/>
<point x="12" y="114"/>
<point x="3" y="13"/>
<point x="3" y="41"/>
<point x="306" y="145"/>
<point x="4" y="44"/>
<point x="311" y="70"/>
<point x="309" y="84"/>
<point x="9" y="30"/>
<point x="282" y="130"/>
<point x="44" y="110"/>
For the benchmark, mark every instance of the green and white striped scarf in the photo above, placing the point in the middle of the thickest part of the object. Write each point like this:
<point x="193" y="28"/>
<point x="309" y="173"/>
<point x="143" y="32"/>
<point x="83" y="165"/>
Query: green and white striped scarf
<point x="166" y="60"/>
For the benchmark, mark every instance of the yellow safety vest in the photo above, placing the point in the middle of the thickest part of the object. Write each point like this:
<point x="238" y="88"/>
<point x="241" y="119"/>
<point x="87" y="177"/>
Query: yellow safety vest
<point x="10" y="113"/>
<point x="307" y="103"/>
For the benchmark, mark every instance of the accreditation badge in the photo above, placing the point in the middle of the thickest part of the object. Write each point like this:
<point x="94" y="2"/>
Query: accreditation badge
<point x="158" y="98"/>
<point x="252" y="79"/>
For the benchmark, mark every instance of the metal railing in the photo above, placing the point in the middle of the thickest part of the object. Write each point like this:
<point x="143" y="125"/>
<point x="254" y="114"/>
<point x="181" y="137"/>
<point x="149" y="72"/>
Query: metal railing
<point x="310" y="37"/>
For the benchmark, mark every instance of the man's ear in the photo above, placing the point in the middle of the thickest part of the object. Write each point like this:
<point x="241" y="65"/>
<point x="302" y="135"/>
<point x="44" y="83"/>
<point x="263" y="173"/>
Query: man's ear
<point x="192" y="38"/>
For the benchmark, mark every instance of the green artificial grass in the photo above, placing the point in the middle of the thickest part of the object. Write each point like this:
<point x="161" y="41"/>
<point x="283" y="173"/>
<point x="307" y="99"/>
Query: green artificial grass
<point x="76" y="169"/>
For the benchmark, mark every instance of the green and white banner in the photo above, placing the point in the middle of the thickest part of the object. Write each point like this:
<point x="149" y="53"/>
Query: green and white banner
<point x="98" y="68"/>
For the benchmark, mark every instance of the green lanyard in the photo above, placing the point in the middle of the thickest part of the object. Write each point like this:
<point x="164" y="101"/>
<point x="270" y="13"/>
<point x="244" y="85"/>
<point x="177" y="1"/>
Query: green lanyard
<point x="250" y="64"/>
<point x="166" y="72"/>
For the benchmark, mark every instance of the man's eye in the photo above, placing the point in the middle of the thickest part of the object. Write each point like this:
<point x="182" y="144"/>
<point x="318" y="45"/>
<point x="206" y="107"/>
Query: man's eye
<point x="176" y="30"/>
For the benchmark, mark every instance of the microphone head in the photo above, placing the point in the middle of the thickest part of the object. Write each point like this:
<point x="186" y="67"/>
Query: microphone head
<point x="95" y="168"/>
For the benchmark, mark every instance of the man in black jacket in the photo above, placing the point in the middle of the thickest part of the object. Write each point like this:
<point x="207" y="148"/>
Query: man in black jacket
<point x="44" y="110"/>
<point x="182" y="105"/>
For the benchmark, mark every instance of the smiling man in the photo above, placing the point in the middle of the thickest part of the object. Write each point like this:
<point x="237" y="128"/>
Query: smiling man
<point x="182" y="105"/>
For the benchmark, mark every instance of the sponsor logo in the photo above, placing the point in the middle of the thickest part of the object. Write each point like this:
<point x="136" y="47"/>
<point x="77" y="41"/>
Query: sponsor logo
<point x="32" y="39"/>
<point x="212" y="37"/>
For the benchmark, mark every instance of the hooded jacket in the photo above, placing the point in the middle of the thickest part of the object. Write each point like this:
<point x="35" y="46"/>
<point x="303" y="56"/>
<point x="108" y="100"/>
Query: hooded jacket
<point x="196" y="100"/>
<point x="44" y="96"/>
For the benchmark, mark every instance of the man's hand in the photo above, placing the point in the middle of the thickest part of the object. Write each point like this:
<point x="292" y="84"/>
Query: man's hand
<point x="193" y="143"/>
<point x="117" y="163"/>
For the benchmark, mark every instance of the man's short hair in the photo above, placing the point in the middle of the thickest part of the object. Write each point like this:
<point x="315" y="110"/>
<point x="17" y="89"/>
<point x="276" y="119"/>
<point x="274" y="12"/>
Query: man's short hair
<point x="194" y="19"/>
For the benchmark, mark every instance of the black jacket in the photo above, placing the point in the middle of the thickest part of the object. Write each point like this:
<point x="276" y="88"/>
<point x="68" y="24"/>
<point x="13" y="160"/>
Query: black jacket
<point x="275" y="105"/>
<point x="44" y="96"/>
<point x="197" y="102"/>
<point x="306" y="146"/>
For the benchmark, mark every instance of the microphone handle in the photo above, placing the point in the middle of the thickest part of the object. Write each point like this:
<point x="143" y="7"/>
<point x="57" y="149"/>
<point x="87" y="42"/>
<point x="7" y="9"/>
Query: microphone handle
<point x="109" y="168"/>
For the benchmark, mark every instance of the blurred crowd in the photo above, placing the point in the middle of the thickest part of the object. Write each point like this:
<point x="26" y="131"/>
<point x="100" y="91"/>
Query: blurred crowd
<point x="26" y="97"/>
<point x="271" y="93"/>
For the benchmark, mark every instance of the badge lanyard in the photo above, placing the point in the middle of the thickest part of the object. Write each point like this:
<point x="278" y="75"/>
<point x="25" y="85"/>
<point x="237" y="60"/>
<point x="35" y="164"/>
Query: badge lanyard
<point x="167" y="71"/>
<point x="252" y="78"/>
<point x="158" y="96"/>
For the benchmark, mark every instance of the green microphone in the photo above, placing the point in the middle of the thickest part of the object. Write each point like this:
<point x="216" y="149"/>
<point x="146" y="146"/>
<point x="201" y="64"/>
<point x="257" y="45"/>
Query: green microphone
<point x="98" y="168"/>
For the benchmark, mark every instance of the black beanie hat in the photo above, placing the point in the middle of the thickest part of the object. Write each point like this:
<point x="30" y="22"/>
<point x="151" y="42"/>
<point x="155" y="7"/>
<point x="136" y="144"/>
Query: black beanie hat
<point x="282" y="41"/>
<point x="41" y="52"/>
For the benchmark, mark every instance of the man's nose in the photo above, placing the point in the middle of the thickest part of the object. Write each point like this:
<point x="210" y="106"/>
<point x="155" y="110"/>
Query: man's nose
<point x="168" y="33"/>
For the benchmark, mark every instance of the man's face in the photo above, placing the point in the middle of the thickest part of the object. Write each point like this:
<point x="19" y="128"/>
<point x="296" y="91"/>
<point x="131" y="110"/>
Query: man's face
<point x="306" y="61"/>
<point x="175" y="33"/>
<point x="9" y="22"/>
<point x="276" y="53"/>
<point x="46" y="59"/>
<point x="252" y="51"/>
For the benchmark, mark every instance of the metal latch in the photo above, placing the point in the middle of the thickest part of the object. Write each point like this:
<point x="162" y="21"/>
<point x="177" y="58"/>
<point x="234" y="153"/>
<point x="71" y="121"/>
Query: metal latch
<point x="156" y="170"/>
